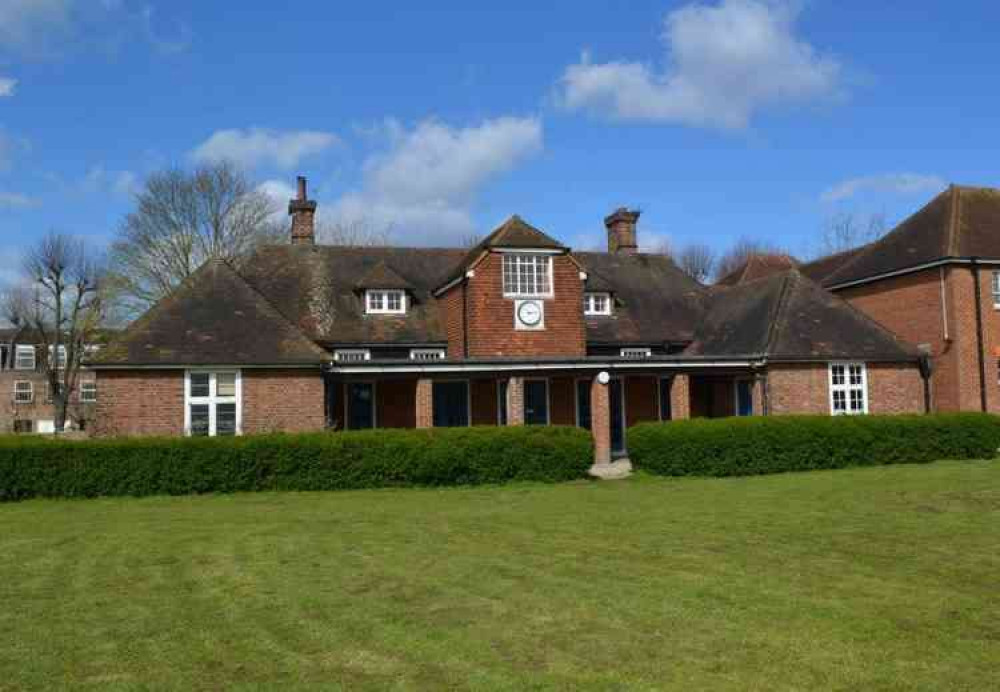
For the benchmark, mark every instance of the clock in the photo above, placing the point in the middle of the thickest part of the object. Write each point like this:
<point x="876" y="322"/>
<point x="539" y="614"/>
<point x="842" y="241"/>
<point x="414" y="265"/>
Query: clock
<point x="529" y="314"/>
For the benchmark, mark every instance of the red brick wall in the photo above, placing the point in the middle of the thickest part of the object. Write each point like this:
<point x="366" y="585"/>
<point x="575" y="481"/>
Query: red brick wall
<point x="805" y="389"/>
<point x="281" y="400"/>
<point x="140" y="402"/>
<point x="642" y="402"/>
<point x="41" y="409"/>
<point x="491" y="316"/>
<point x="454" y="320"/>
<point x="911" y="306"/>
<point x="562" y="401"/>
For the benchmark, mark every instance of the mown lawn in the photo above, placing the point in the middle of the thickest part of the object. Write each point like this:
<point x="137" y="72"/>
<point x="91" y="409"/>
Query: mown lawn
<point x="880" y="578"/>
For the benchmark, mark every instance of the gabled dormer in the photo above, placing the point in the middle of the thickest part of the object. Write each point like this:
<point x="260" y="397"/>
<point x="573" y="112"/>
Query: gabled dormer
<point x="384" y="292"/>
<point x="518" y="292"/>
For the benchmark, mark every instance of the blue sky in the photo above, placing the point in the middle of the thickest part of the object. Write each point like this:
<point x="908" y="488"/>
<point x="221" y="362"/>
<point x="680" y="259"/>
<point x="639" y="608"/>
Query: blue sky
<point x="718" y="119"/>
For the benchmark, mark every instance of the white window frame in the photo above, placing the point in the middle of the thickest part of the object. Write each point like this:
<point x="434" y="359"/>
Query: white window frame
<point x="213" y="399"/>
<point x="88" y="386"/>
<point x="516" y="259"/>
<point x="377" y="301"/>
<point x="19" y="390"/>
<point x="846" y="387"/>
<point x="590" y="301"/>
<point x="636" y="353"/>
<point x="427" y="354"/>
<point x="995" y="285"/>
<point x="60" y="362"/>
<point x="22" y="349"/>
<point x="349" y="355"/>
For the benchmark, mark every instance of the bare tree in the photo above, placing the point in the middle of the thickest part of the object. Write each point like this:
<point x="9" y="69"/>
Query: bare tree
<point x="846" y="231"/>
<point x="696" y="261"/>
<point x="60" y="301"/>
<point x="361" y="232"/>
<point x="181" y="220"/>
<point x="743" y="250"/>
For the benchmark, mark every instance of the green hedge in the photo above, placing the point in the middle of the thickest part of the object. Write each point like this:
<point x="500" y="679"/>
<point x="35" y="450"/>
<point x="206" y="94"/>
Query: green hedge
<point x="752" y="446"/>
<point x="41" y="467"/>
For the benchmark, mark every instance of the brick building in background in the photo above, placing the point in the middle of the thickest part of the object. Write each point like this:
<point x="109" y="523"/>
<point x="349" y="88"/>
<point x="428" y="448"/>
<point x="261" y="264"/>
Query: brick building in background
<point x="27" y="406"/>
<point x="518" y="330"/>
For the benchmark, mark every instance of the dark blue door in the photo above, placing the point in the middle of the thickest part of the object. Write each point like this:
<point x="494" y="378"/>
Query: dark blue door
<point x="451" y="404"/>
<point x="744" y="398"/>
<point x="360" y="405"/>
<point x="536" y="402"/>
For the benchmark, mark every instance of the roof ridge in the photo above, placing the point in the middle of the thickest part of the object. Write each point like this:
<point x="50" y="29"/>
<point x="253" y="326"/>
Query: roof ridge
<point x="774" y="327"/>
<point x="278" y="314"/>
<point x="953" y="221"/>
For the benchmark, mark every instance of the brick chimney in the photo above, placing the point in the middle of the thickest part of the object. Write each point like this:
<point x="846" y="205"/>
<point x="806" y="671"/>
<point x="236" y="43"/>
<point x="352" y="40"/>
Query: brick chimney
<point x="303" y="213"/>
<point x="621" y="231"/>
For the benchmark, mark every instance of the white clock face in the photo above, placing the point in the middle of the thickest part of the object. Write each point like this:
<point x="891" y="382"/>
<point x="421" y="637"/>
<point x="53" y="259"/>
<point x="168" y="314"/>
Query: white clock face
<point x="529" y="313"/>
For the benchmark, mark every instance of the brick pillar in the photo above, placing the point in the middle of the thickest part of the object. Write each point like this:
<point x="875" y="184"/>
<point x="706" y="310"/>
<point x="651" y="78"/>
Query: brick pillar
<point x="758" y="394"/>
<point x="600" y="421"/>
<point x="515" y="401"/>
<point x="425" y="403"/>
<point x="680" y="398"/>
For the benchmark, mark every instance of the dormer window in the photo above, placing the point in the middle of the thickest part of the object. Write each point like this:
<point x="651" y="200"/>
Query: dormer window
<point x="596" y="304"/>
<point x="527" y="275"/>
<point x="385" y="302"/>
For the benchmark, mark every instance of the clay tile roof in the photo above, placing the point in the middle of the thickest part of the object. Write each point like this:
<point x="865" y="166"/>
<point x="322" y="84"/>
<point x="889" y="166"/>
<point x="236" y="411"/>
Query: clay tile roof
<point x="757" y="266"/>
<point x="961" y="222"/>
<point x="788" y="317"/>
<point x="214" y="318"/>
<point x="383" y="276"/>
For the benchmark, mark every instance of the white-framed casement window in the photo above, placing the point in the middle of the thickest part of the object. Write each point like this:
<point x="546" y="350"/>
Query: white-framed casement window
<point x="636" y="352"/>
<point x="385" y="302"/>
<point x="24" y="392"/>
<point x="426" y="354"/>
<point x="352" y="355"/>
<point x="88" y="392"/>
<point x="527" y="275"/>
<point x="60" y="360"/>
<point x="213" y="403"/>
<point x="596" y="304"/>
<point x="24" y="358"/>
<point x="995" y="285"/>
<point x="848" y="389"/>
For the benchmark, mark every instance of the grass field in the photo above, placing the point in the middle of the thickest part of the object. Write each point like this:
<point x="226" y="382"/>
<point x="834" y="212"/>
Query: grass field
<point x="880" y="578"/>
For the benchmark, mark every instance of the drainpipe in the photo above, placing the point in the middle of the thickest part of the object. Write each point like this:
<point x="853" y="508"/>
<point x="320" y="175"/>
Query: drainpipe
<point x="979" y="333"/>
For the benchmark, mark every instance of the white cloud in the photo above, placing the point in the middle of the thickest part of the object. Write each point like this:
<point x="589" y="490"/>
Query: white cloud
<point x="895" y="183"/>
<point x="7" y="86"/>
<point x="724" y="63"/>
<point x="424" y="185"/>
<point x="99" y="180"/>
<point x="15" y="200"/>
<point x="256" y="146"/>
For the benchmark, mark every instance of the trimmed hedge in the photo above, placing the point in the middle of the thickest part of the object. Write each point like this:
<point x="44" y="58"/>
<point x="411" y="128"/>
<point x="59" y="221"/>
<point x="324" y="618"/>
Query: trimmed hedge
<point x="42" y="467"/>
<point x="759" y="445"/>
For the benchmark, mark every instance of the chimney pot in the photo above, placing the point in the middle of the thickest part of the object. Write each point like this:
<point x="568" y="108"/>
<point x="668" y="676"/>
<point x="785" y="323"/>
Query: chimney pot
<point x="303" y="213"/>
<point x="622" y="236"/>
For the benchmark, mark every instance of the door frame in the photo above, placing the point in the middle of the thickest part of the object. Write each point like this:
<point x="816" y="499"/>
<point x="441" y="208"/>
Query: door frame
<point x="468" y="398"/>
<point x="548" y="399"/>
<point x="736" y="396"/>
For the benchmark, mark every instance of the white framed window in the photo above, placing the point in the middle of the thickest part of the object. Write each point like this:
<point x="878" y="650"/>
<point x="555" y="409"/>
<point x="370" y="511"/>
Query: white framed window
<point x="426" y="354"/>
<point x="60" y="360"/>
<point x="527" y="275"/>
<point x="636" y="352"/>
<point x="385" y="302"/>
<point x="995" y="284"/>
<point x="24" y="392"/>
<point x="24" y="358"/>
<point x="88" y="392"/>
<point x="352" y="355"/>
<point x="848" y="389"/>
<point x="596" y="304"/>
<point x="212" y="403"/>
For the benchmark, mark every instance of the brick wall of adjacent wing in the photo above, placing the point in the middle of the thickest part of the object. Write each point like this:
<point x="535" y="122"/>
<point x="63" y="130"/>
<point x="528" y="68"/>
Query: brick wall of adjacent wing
<point x="805" y="389"/>
<point x="282" y="400"/>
